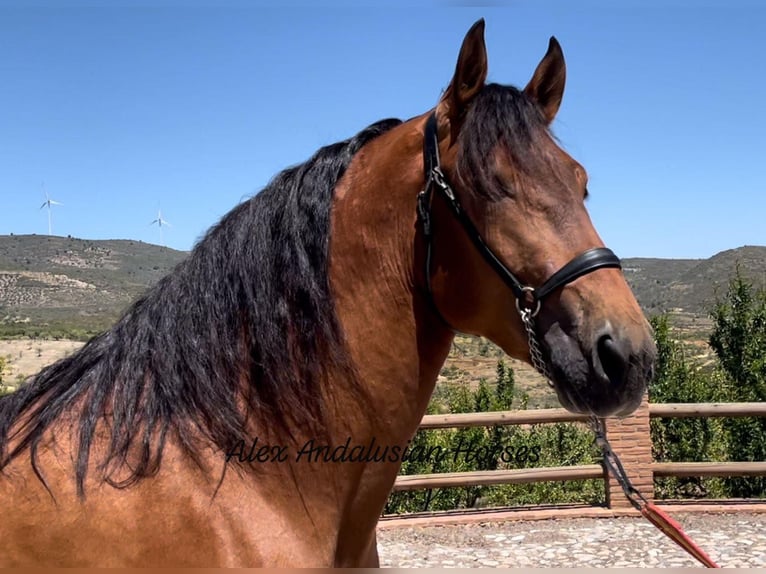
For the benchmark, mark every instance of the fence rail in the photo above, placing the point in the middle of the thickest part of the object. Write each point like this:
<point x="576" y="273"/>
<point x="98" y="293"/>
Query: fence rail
<point x="688" y="410"/>
<point x="539" y="416"/>
<point x="464" y="420"/>
<point x="679" y="469"/>
<point x="581" y="472"/>
<point x="490" y="477"/>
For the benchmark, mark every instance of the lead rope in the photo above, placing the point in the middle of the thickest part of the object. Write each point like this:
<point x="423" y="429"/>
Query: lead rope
<point x="611" y="461"/>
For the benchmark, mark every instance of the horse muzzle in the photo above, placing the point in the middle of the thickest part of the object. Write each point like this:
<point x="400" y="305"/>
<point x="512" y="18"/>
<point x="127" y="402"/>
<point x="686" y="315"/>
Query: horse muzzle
<point x="606" y="374"/>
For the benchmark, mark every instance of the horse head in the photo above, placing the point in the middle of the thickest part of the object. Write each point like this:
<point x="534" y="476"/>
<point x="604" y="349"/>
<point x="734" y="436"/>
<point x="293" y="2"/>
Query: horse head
<point x="513" y="254"/>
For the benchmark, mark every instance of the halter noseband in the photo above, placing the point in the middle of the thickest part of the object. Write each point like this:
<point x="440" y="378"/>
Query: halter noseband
<point x="528" y="298"/>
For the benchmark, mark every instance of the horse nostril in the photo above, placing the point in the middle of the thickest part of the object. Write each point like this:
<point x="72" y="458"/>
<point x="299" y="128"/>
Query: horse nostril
<point x="612" y="362"/>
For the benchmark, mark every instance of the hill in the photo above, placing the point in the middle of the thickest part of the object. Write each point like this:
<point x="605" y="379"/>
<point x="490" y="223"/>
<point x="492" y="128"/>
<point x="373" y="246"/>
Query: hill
<point x="690" y="285"/>
<point x="69" y="287"/>
<point x="74" y="288"/>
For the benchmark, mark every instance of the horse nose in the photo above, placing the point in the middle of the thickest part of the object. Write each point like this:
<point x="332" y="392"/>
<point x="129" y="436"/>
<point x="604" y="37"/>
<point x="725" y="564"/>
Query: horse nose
<point x="610" y="361"/>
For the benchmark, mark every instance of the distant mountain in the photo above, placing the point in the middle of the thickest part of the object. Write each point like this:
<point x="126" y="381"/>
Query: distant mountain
<point x="69" y="287"/>
<point x="691" y="285"/>
<point x="74" y="287"/>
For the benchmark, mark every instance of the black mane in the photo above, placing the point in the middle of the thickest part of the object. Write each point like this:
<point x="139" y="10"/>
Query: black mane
<point x="247" y="319"/>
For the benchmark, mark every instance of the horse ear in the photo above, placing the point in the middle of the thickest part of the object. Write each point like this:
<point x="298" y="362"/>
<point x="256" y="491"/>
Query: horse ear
<point x="546" y="87"/>
<point x="470" y="74"/>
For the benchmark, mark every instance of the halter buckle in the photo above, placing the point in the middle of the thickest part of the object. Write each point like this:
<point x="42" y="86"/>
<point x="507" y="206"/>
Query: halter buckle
<point x="437" y="176"/>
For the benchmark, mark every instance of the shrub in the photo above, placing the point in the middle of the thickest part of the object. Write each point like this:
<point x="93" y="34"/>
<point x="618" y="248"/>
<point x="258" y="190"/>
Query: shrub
<point x="739" y="342"/>
<point x="498" y="447"/>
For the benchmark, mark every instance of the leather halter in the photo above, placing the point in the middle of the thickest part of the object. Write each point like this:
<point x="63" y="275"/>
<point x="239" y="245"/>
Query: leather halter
<point x="528" y="298"/>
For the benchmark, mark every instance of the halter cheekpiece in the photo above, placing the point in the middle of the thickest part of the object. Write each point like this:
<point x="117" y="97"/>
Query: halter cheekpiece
<point x="528" y="298"/>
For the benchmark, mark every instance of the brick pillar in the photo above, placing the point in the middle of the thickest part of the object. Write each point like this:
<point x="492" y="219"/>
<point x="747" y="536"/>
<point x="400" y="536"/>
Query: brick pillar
<point x="631" y="441"/>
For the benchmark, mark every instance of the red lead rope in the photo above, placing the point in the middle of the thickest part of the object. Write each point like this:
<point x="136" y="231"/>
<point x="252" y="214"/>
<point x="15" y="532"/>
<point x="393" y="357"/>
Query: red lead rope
<point x="652" y="513"/>
<point x="673" y="530"/>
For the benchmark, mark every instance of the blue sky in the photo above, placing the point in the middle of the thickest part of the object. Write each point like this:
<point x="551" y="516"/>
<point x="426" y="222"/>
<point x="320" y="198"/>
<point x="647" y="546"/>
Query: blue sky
<point x="122" y="109"/>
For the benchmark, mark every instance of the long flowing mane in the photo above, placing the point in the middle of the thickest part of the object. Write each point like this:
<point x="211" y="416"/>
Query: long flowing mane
<point x="245" y="324"/>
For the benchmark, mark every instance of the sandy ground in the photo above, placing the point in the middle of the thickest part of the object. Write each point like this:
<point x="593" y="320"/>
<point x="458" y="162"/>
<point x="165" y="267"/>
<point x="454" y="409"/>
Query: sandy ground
<point x="25" y="357"/>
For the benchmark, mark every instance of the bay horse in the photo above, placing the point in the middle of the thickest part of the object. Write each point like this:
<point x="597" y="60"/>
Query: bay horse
<point x="229" y="417"/>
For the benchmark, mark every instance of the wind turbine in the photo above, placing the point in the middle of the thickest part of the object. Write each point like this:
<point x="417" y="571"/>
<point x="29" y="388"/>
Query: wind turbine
<point x="47" y="203"/>
<point x="160" y="222"/>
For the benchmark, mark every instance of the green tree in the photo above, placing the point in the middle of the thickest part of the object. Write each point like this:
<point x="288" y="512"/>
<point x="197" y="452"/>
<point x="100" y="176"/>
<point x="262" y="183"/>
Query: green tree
<point x="681" y="440"/>
<point x="739" y="338"/>
<point x="483" y="398"/>
<point x="739" y="342"/>
<point x="505" y="387"/>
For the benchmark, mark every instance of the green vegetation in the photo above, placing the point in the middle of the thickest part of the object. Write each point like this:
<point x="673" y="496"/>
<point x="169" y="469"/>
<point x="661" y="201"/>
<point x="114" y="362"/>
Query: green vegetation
<point x="738" y="340"/>
<point x="81" y="329"/>
<point x="501" y="447"/>
<point x="683" y="440"/>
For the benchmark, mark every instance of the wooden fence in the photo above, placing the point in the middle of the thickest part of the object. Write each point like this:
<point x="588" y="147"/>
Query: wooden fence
<point x="630" y="439"/>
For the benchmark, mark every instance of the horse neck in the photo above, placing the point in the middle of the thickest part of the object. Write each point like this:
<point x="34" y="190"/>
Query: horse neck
<point x="396" y="340"/>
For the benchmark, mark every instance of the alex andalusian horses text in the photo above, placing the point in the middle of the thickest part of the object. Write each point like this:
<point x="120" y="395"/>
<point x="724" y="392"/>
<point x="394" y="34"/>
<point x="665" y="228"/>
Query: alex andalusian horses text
<point x="322" y="309"/>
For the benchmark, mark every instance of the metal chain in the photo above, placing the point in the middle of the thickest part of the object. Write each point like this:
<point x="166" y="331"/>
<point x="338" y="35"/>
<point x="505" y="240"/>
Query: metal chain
<point x="538" y="362"/>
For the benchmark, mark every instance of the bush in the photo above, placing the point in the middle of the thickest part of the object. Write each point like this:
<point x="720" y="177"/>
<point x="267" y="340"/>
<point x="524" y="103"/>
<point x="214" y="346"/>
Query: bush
<point x="739" y="342"/>
<point x="499" y="447"/>
<point x="682" y="440"/>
